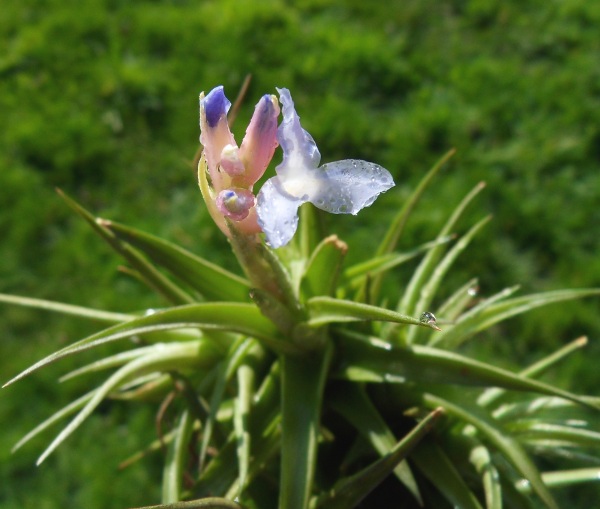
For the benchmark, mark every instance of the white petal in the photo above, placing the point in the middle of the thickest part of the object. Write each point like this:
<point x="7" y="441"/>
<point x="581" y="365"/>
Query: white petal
<point x="300" y="152"/>
<point x="345" y="187"/>
<point x="277" y="213"/>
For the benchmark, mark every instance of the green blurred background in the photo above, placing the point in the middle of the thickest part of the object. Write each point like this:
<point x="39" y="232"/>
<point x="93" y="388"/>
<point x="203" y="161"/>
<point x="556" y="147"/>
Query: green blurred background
<point x="100" y="98"/>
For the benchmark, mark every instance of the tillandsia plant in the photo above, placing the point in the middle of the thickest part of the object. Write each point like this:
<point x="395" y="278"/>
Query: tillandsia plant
<point x="306" y="383"/>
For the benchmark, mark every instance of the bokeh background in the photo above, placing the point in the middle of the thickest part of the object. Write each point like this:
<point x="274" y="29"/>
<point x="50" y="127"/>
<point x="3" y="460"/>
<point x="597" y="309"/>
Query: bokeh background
<point x="100" y="99"/>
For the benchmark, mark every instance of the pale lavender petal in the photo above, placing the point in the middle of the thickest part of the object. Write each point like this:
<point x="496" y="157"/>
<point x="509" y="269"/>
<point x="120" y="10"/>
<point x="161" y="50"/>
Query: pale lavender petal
<point x="300" y="152"/>
<point x="214" y="131"/>
<point x="277" y="213"/>
<point x="346" y="187"/>
<point x="258" y="146"/>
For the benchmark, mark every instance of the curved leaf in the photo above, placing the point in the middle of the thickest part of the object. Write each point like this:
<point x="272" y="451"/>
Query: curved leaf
<point x="368" y="359"/>
<point x="324" y="310"/>
<point x="237" y="317"/>
<point x="147" y="272"/>
<point x="473" y="322"/>
<point x="169" y="357"/>
<point x="66" y="309"/>
<point x="208" y="279"/>
<point x="350" y="491"/>
<point x="432" y="461"/>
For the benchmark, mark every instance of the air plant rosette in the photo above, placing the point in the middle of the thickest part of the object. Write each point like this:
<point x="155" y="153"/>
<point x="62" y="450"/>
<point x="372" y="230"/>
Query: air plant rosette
<point x="301" y="384"/>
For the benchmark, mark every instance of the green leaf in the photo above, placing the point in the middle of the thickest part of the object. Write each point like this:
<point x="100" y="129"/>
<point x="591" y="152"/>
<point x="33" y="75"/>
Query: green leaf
<point x="392" y="236"/>
<point x="491" y="395"/>
<point x="303" y="380"/>
<point x="242" y="408"/>
<point x="66" y="309"/>
<point x="148" y="273"/>
<point x="430" y="288"/>
<point x="423" y="272"/>
<point x="563" y="478"/>
<point x="368" y="359"/>
<point x="352" y="402"/>
<point x="474" y="322"/>
<point x="506" y="445"/>
<point x="397" y="225"/>
<point x="175" y="462"/>
<point x="208" y="279"/>
<point x="69" y="409"/>
<point x="481" y="459"/>
<point x="237" y="317"/>
<point x="324" y="310"/>
<point x="221" y="475"/>
<point x="171" y="356"/>
<point x="109" y="362"/>
<point x="356" y="275"/>
<point x="546" y="434"/>
<point x="215" y="402"/>
<point x="350" y="491"/>
<point x="439" y="469"/>
<point x="310" y="230"/>
<point x="323" y="268"/>
<point x="458" y="301"/>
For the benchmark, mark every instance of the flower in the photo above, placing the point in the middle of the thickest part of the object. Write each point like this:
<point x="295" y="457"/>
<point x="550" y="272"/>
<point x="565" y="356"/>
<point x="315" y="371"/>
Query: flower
<point x="233" y="171"/>
<point x="340" y="187"/>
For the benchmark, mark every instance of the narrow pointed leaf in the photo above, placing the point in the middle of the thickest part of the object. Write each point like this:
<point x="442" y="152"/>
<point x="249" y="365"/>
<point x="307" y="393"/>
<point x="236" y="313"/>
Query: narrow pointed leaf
<point x="176" y="458"/>
<point x="208" y="279"/>
<point x="170" y="357"/>
<point x="430" y="288"/>
<point x="458" y="301"/>
<point x="237" y="317"/>
<point x="352" y="402"/>
<point x="66" y="411"/>
<point x="553" y="435"/>
<point x="349" y="492"/>
<point x="372" y="360"/>
<point x="427" y="266"/>
<point x="150" y="275"/>
<point x="324" y="267"/>
<point x="438" y="468"/>
<point x="303" y="380"/>
<point x="324" y="310"/>
<point x="563" y="478"/>
<point x="356" y="274"/>
<point x="66" y="309"/>
<point x="492" y="394"/>
<point x="109" y="362"/>
<point x="475" y="322"/>
<point x="394" y="232"/>
<point x="509" y="447"/>
<point x="397" y="226"/>
<point x="481" y="458"/>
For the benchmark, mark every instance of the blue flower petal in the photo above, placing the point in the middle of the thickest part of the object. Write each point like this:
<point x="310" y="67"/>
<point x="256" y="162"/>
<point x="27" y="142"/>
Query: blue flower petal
<point x="277" y="213"/>
<point x="216" y="105"/>
<point x="346" y="187"/>
<point x="300" y="152"/>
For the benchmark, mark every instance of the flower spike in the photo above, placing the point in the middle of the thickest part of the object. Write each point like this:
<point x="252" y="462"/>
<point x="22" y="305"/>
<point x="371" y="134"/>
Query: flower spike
<point x="234" y="170"/>
<point x="340" y="187"/>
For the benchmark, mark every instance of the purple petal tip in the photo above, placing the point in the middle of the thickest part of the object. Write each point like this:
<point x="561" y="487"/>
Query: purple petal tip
<point x="216" y="105"/>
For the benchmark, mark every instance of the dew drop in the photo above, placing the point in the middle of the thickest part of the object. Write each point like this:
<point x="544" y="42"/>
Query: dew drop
<point x="428" y="317"/>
